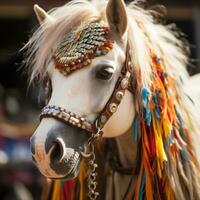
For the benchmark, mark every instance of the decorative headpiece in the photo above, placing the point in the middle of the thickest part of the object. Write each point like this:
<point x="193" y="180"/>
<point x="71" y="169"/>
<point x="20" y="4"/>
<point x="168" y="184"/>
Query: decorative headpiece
<point x="79" y="47"/>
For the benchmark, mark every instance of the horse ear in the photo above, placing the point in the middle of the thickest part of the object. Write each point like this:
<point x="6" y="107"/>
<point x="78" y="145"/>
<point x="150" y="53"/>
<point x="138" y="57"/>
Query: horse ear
<point x="41" y="14"/>
<point x="117" y="16"/>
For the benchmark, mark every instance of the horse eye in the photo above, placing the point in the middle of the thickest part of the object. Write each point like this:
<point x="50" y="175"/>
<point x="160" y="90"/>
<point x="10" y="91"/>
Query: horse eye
<point x="105" y="73"/>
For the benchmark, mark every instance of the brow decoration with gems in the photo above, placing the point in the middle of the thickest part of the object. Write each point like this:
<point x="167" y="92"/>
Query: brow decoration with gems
<point x="79" y="47"/>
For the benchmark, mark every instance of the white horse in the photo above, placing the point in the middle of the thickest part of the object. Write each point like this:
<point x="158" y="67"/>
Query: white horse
<point x="148" y="123"/>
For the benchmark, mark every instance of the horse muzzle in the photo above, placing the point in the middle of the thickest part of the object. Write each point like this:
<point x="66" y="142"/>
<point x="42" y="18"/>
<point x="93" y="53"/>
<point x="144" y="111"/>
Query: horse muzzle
<point x="57" y="152"/>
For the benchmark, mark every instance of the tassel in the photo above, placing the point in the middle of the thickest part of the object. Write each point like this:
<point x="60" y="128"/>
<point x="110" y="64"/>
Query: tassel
<point x="81" y="179"/>
<point x="58" y="193"/>
<point x="68" y="189"/>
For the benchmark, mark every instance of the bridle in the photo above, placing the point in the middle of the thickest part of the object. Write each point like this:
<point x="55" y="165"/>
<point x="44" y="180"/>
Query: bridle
<point x="95" y="130"/>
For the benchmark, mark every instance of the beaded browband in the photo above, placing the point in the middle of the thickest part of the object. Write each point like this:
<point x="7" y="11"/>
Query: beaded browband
<point x="79" y="47"/>
<point x="92" y="41"/>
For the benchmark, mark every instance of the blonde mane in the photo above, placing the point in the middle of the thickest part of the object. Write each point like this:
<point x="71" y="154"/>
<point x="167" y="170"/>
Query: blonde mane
<point x="144" y="33"/>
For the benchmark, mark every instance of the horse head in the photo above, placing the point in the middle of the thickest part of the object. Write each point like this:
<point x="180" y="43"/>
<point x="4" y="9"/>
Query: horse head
<point x="113" y="69"/>
<point x="84" y="72"/>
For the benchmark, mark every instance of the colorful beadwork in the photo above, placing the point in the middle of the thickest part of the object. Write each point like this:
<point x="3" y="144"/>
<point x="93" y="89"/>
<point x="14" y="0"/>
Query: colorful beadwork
<point x="79" y="47"/>
<point x="67" y="117"/>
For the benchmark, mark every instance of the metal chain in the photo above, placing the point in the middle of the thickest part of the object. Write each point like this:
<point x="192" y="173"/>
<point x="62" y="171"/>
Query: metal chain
<point x="90" y="155"/>
<point x="92" y="175"/>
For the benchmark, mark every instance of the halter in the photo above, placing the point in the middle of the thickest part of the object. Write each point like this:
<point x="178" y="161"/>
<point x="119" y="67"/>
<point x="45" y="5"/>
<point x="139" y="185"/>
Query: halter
<point x="111" y="107"/>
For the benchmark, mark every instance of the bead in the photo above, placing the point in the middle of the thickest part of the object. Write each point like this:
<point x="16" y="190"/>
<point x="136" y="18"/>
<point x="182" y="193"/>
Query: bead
<point x="82" y="119"/>
<point x="119" y="95"/>
<point x="68" y="69"/>
<point x="66" y="116"/>
<point x="158" y="58"/>
<point x="124" y="83"/>
<point x="113" y="107"/>
<point x="74" y="120"/>
<point x="103" y="119"/>
<point x="54" y="114"/>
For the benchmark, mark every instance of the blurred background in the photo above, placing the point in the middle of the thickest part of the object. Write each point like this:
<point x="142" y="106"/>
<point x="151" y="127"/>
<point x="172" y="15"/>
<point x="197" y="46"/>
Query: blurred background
<point x="19" y="107"/>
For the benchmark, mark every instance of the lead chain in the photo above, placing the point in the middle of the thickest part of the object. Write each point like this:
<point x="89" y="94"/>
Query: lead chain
<point x="92" y="175"/>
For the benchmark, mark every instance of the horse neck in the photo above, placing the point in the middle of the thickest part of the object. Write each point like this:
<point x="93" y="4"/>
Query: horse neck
<point x="127" y="149"/>
<point x="120" y="160"/>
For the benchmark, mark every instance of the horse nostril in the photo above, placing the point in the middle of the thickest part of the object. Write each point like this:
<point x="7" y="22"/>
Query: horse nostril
<point x="57" y="150"/>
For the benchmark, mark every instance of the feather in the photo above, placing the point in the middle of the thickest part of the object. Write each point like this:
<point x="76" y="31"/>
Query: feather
<point x="145" y="96"/>
<point x="148" y="176"/>
<point x="148" y="116"/>
<point x="145" y="93"/>
<point x="160" y="152"/>
<point x="142" y="186"/>
<point x="169" y="193"/>
<point x="160" y="149"/>
<point x="152" y="144"/>
<point x="138" y="183"/>
<point x="157" y="113"/>
<point x="145" y="140"/>
<point x="135" y="128"/>
<point x="178" y="137"/>
<point x="183" y="155"/>
<point x="149" y="192"/>
<point x="167" y="126"/>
